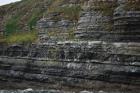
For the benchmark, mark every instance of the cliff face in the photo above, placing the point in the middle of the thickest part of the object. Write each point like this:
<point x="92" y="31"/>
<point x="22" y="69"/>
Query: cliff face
<point x="22" y="16"/>
<point x="95" y="20"/>
<point x="96" y="47"/>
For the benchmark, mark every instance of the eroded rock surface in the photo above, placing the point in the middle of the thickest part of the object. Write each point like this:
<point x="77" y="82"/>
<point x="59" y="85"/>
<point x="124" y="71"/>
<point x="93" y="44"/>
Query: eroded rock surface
<point x="97" y="59"/>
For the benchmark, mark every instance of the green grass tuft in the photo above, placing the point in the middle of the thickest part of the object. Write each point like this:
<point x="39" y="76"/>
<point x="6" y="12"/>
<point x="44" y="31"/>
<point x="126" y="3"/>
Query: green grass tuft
<point x="26" y="37"/>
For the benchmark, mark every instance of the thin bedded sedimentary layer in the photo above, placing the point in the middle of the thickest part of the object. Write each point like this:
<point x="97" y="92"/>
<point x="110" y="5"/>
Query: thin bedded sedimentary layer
<point x="74" y="64"/>
<point x="83" y="63"/>
<point x="69" y="73"/>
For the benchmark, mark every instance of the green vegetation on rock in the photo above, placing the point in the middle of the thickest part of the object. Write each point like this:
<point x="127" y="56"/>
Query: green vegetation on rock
<point x="23" y="37"/>
<point x="21" y="17"/>
<point x="11" y="25"/>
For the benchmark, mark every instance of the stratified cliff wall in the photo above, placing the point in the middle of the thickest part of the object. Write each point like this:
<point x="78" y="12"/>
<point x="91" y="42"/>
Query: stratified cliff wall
<point x="103" y="54"/>
<point x="93" y="64"/>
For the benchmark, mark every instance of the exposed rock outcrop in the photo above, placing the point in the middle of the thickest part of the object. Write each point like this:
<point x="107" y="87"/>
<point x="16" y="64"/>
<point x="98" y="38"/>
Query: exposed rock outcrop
<point x="98" y="57"/>
<point x="93" y="22"/>
<point x="54" y="26"/>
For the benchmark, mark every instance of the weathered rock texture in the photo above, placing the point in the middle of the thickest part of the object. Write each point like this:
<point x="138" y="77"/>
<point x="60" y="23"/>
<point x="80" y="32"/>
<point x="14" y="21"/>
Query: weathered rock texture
<point x="126" y="25"/>
<point x="73" y="64"/>
<point x="98" y="59"/>
<point x="93" y="23"/>
<point x="54" y="26"/>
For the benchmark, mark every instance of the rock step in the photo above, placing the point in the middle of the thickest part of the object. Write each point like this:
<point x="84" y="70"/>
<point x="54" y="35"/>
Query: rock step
<point x="75" y="66"/>
<point x="39" y="70"/>
<point x="53" y="78"/>
<point x="109" y="60"/>
<point x="114" y="37"/>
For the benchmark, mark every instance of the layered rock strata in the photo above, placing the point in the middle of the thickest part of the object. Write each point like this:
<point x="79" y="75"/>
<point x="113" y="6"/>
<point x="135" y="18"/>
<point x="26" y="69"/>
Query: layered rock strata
<point x="99" y="57"/>
<point x="73" y="64"/>
<point x="51" y="29"/>
<point x="93" y="22"/>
